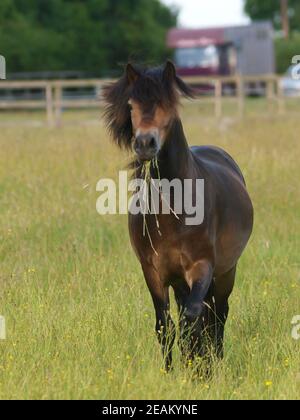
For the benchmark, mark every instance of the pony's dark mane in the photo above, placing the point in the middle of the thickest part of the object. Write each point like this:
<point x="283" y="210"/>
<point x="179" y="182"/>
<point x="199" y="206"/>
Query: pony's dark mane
<point x="152" y="87"/>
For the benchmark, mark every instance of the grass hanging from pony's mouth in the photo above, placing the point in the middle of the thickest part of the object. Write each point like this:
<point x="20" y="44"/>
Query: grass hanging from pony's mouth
<point x="146" y="174"/>
<point x="148" y="182"/>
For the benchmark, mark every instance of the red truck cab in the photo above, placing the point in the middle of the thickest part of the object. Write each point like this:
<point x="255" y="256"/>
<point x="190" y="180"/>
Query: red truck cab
<point x="246" y="50"/>
<point x="202" y="52"/>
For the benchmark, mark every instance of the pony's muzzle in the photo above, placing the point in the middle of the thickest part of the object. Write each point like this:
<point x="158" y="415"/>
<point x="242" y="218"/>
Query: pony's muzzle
<point x="146" y="145"/>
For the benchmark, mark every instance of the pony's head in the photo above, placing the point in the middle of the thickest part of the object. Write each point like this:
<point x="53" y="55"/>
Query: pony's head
<point x="141" y="106"/>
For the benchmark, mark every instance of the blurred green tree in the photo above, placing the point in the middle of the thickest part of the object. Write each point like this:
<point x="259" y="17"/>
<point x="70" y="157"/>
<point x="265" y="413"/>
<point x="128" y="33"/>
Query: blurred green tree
<point x="271" y="10"/>
<point x="88" y="35"/>
<point x="285" y="50"/>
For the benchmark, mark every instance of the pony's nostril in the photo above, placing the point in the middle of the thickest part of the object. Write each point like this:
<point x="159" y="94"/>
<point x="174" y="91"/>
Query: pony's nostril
<point x="152" y="143"/>
<point x="136" y="147"/>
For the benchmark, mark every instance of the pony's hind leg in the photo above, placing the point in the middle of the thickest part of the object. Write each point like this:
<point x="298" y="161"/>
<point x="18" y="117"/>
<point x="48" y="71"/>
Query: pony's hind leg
<point x="221" y="289"/>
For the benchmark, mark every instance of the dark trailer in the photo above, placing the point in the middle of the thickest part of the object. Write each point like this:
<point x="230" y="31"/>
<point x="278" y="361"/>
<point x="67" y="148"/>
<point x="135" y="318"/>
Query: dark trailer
<point x="245" y="50"/>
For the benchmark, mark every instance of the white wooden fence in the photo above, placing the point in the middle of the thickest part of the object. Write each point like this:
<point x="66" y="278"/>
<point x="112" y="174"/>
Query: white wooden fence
<point x="54" y="100"/>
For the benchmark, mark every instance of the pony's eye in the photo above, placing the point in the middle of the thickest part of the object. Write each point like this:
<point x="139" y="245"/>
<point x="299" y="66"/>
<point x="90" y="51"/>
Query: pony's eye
<point x="130" y="107"/>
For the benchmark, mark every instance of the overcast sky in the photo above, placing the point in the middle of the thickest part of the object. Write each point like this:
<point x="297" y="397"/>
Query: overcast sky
<point x="201" y="13"/>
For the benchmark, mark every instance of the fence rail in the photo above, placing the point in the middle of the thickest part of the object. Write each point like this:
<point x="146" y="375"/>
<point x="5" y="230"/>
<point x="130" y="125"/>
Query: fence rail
<point x="54" y="101"/>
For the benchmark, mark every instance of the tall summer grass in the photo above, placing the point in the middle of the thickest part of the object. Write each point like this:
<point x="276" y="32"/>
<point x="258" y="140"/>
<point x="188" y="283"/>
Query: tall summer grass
<point x="79" y="318"/>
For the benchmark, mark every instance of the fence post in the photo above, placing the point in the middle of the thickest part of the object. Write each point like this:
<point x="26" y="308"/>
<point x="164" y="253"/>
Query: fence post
<point x="218" y="98"/>
<point x="58" y="104"/>
<point x="49" y="104"/>
<point x="280" y="97"/>
<point x="240" y="95"/>
<point x="270" y="93"/>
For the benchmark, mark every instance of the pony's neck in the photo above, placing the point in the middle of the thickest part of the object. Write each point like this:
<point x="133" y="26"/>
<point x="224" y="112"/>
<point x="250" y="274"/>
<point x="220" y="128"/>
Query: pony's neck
<point x="175" y="155"/>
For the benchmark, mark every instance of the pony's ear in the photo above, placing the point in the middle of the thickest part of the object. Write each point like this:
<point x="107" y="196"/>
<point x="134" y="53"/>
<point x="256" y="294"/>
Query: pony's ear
<point x="131" y="73"/>
<point x="169" y="72"/>
<point x="170" y="77"/>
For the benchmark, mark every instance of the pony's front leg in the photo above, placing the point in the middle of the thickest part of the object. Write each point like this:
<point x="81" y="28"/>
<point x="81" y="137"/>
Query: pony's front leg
<point x="194" y="312"/>
<point x="200" y="279"/>
<point x="164" y="327"/>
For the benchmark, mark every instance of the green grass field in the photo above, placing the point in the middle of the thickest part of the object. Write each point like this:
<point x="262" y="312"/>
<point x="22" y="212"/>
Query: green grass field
<point x="79" y="319"/>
